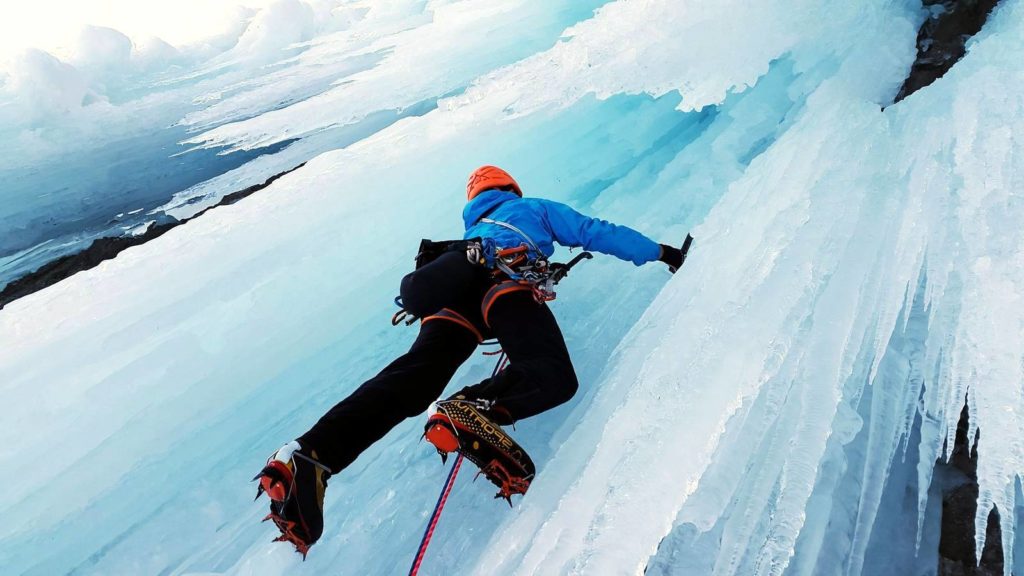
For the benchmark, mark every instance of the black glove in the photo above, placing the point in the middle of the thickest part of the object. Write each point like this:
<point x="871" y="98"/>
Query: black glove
<point x="675" y="257"/>
<point x="671" y="256"/>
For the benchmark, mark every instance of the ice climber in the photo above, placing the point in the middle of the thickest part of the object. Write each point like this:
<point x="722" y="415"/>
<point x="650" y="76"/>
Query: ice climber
<point x="489" y="285"/>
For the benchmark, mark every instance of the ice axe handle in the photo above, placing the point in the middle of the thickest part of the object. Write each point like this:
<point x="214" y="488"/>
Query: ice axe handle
<point x="563" y="269"/>
<point x="682" y="252"/>
<point x="686" y="246"/>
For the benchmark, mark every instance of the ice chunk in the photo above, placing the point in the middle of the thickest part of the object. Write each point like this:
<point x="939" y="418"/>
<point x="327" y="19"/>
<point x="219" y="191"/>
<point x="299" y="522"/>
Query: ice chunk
<point x="275" y="28"/>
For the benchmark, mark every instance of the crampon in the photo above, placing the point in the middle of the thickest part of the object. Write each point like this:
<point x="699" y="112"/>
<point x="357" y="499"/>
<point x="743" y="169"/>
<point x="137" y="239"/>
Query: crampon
<point x="287" y="528"/>
<point x="276" y="481"/>
<point x="295" y="483"/>
<point x="458" y="426"/>
<point x="507" y="483"/>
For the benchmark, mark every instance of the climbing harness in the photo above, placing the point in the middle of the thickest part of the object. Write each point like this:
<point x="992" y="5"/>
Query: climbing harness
<point x="449" y="315"/>
<point x="527" y="266"/>
<point x="514" y="271"/>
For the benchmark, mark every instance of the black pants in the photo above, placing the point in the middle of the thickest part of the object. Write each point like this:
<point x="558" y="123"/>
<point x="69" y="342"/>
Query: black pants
<point x="539" y="376"/>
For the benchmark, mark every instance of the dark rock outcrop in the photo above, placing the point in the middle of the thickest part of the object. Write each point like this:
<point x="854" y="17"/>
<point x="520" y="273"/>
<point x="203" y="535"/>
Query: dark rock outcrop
<point x="959" y="505"/>
<point x="942" y="38"/>
<point x="106" y="248"/>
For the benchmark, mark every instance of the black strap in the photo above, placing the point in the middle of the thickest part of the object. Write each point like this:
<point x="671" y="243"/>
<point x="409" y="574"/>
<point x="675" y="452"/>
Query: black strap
<point x="430" y="250"/>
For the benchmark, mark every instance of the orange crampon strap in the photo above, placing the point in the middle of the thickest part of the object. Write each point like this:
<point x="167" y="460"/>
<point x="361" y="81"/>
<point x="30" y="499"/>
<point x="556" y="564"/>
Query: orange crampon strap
<point x="453" y="316"/>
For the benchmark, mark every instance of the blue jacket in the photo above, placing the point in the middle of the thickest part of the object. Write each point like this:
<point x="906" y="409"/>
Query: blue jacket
<point x="546" y="222"/>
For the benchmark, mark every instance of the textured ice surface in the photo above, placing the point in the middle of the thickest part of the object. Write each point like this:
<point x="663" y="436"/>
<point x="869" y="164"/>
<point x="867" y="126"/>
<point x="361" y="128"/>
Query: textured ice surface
<point x="775" y="408"/>
<point x="757" y="359"/>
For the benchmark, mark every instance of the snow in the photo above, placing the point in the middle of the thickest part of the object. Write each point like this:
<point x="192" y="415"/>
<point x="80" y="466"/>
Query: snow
<point x="275" y="29"/>
<point x="100" y="48"/>
<point x="54" y="86"/>
<point x="462" y="41"/>
<point x="776" y="407"/>
<point x="111" y="105"/>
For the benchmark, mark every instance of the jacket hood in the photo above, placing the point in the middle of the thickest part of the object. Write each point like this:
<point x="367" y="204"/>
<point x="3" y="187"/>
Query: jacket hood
<point x="483" y="203"/>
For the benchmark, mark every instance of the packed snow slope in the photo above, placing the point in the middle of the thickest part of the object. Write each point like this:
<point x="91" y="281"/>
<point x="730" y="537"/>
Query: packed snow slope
<point x="776" y="407"/>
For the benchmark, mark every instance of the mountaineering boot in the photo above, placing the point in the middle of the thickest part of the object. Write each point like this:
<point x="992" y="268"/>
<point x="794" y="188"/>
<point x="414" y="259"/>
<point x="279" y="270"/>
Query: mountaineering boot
<point x="462" y="425"/>
<point x="295" y="482"/>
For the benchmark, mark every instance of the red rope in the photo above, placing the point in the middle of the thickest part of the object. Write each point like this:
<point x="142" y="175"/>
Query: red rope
<point x="435" y="516"/>
<point x="448" y="483"/>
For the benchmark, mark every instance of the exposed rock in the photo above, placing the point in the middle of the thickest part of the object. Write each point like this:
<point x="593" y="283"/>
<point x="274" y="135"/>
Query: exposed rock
<point x="106" y="248"/>
<point x="959" y="505"/>
<point x="942" y="38"/>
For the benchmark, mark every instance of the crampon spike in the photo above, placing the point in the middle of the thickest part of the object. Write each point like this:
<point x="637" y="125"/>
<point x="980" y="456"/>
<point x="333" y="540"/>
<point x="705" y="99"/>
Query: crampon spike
<point x="300" y="547"/>
<point x="510" y="487"/>
<point x="284" y="525"/>
<point x="287" y="535"/>
<point x="507" y="483"/>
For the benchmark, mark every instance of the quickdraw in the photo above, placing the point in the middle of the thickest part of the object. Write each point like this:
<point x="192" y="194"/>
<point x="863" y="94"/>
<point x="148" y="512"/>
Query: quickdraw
<point x="516" y="264"/>
<point x="542" y="277"/>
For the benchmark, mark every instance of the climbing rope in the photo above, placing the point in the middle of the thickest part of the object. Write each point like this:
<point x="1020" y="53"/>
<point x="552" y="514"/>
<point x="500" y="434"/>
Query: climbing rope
<point x="447" y="488"/>
<point x="435" y="516"/>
